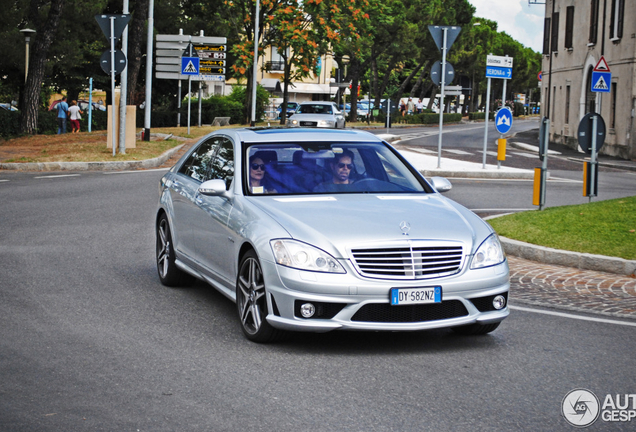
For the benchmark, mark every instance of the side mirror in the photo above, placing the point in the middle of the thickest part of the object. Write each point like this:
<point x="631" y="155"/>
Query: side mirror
<point x="213" y="188"/>
<point x="441" y="184"/>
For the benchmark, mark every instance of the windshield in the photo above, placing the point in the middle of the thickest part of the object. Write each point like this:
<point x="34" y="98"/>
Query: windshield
<point x="315" y="109"/>
<point x="318" y="168"/>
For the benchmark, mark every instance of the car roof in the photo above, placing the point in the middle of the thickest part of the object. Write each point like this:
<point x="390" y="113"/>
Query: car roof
<point x="276" y="135"/>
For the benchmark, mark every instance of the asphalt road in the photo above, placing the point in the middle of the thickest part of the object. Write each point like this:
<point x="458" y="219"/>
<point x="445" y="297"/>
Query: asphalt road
<point x="91" y="341"/>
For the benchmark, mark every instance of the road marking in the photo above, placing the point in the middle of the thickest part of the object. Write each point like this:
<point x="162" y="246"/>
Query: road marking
<point x="572" y="316"/>
<point x="135" y="171"/>
<point x="57" y="176"/>
<point x="459" y="152"/>
<point x="3" y="180"/>
<point x="528" y="155"/>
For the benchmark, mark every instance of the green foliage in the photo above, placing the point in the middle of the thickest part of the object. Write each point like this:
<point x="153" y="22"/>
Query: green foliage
<point x="9" y="123"/>
<point x="428" y="118"/>
<point x="481" y="115"/>
<point x="580" y="228"/>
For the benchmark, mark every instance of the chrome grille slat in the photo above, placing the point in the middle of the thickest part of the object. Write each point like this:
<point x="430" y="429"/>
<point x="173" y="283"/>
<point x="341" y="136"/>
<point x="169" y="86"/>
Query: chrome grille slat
<point x="412" y="262"/>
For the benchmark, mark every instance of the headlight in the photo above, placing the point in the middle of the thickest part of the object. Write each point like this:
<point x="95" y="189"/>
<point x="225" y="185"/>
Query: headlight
<point x="292" y="122"/>
<point x="489" y="253"/>
<point x="292" y="253"/>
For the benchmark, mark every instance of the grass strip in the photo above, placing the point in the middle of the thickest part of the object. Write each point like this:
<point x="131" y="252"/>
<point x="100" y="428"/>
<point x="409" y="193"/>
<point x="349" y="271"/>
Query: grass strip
<point x="601" y="227"/>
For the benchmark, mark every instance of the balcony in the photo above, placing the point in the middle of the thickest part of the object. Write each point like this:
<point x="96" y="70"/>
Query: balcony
<point x="275" y="67"/>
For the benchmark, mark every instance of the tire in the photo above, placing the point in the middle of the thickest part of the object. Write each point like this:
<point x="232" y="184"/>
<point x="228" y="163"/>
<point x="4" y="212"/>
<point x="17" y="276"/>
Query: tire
<point x="476" y="329"/>
<point x="169" y="274"/>
<point x="251" y="301"/>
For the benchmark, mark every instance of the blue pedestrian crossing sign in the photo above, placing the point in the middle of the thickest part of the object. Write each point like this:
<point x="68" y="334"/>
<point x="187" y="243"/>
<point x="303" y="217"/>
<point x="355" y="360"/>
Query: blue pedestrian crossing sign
<point x="503" y="120"/>
<point x="601" y="82"/>
<point x="190" y="65"/>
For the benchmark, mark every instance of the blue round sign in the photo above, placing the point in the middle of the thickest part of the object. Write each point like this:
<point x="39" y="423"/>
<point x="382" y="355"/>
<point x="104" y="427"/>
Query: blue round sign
<point x="503" y="120"/>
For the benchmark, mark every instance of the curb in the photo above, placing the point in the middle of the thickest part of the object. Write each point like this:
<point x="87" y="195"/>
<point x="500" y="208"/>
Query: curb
<point x="92" y="166"/>
<point x="583" y="261"/>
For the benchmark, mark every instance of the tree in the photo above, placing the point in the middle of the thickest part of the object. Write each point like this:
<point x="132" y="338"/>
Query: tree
<point x="46" y="33"/>
<point x="239" y="15"/>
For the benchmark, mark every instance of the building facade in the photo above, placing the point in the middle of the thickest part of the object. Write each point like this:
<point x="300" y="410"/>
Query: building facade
<point x="577" y="34"/>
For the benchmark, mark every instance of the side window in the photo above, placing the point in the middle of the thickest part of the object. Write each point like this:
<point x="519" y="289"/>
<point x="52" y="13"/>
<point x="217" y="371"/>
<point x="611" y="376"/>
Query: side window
<point x="198" y="163"/>
<point x="223" y="164"/>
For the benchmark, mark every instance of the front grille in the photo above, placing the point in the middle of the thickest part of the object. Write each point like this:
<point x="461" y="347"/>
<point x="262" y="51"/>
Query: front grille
<point x="385" y="313"/>
<point x="410" y="261"/>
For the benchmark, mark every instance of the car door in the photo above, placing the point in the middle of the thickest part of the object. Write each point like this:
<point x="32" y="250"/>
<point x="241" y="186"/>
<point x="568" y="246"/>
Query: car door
<point x="214" y="240"/>
<point x="183" y="191"/>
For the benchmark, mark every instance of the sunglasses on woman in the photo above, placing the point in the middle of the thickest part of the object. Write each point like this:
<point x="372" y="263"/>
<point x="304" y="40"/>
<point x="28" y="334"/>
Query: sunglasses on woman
<point x="256" y="166"/>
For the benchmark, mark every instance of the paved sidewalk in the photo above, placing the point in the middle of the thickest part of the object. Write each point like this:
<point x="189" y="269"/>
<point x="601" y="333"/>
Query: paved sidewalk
<point x="559" y="287"/>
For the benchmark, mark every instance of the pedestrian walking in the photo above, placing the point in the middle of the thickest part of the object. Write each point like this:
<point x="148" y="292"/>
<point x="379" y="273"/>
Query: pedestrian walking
<point x="75" y="114"/>
<point x="62" y="115"/>
<point x="402" y="107"/>
<point x="410" y="106"/>
<point x="419" y="106"/>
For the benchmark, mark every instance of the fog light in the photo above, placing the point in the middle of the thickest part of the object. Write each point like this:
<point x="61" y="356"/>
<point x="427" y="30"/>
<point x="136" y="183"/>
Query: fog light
<point x="307" y="310"/>
<point x="499" y="302"/>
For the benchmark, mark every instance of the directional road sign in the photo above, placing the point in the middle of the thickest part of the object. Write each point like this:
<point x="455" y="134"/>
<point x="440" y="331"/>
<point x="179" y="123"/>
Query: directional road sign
<point x="503" y="120"/>
<point x="498" y="72"/>
<point x="190" y="65"/>
<point x="499" y="61"/>
<point x="211" y="70"/>
<point x="601" y="82"/>
<point x="218" y="63"/>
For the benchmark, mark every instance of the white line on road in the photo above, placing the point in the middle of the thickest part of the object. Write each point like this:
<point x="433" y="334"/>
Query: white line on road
<point x="57" y="176"/>
<point x="572" y="316"/>
<point x="3" y="180"/>
<point x="136" y="171"/>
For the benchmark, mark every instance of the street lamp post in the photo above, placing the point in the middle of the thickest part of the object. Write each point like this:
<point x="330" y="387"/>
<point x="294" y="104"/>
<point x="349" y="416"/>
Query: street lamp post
<point x="27" y="39"/>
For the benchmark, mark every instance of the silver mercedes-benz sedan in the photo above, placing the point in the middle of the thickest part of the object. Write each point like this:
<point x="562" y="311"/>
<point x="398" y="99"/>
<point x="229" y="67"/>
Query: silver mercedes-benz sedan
<point x="317" y="114"/>
<point x="310" y="230"/>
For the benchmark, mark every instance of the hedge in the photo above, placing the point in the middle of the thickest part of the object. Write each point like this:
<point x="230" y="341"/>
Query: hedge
<point x="428" y="118"/>
<point x="480" y="115"/>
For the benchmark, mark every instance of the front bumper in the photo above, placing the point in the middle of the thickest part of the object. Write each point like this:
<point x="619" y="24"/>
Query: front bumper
<point x="361" y="303"/>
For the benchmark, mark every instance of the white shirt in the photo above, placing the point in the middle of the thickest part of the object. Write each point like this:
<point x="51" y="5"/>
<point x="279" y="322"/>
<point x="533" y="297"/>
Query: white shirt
<point x="74" y="111"/>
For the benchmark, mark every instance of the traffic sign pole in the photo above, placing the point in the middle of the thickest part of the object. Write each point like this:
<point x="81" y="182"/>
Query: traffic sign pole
<point x="486" y="128"/>
<point x="112" y="82"/>
<point x="441" y="104"/>
<point x="593" y="171"/>
<point x="189" y="89"/>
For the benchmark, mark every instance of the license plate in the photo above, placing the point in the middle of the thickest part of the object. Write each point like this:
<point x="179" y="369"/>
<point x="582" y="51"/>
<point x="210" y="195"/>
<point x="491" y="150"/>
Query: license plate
<point x="308" y="123"/>
<point x="423" y="295"/>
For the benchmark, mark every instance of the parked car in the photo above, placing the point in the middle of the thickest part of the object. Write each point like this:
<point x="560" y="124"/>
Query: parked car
<point x="83" y="104"/>
<point x="258" y="214"/>
<point x="291" y="109"/>
<point x="7" y="107"/>
<point x="317" y="114"/>
<point x="362" y="111"/>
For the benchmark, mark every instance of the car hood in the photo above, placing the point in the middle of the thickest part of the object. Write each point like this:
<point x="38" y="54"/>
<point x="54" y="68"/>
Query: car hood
<point x="336" y="223"/>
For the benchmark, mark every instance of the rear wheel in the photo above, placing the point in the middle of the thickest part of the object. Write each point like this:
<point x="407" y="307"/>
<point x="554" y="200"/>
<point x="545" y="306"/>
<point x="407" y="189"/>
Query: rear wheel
<point x="476" y="329"/>
<point x="169" y="274"/>
<point x="251" y="301"/>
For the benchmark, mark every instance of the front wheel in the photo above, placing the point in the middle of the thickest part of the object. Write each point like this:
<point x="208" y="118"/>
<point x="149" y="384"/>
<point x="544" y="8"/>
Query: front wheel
<point x="476" y="329"/>
<point x="251" y="301"/>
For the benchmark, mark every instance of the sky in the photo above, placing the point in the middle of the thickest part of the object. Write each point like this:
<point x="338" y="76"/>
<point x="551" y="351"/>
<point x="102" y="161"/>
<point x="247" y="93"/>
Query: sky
<point x="522" y="21"/>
